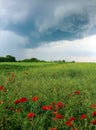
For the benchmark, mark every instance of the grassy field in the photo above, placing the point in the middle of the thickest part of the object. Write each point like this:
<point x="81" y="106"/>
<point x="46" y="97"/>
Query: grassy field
<point x="47" y="96"/>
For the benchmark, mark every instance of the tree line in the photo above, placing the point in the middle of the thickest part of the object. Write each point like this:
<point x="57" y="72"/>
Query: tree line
<point x="9" y="58"/>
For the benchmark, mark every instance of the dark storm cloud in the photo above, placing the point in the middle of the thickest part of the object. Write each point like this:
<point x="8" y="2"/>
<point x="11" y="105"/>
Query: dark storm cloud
<point x="43" y="21"/>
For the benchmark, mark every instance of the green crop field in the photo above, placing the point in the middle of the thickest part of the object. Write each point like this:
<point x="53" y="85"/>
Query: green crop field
<point x="47" y="96"/>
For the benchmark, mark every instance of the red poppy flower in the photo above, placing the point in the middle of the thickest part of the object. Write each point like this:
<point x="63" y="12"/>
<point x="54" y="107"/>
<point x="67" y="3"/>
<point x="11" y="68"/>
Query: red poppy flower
<point x="83" y="116"/>
<point x="58" y="116"/>
<point x="24" y="99"/>
<point x="2" y="88"/>
<point x="16" y="101"/>
<point x="69" y="123"/>
<point x="35" y="98"/>
<point x="30" y="115"/>
<point x="94" y="113"/>
<point x="94" y="122"/>
<point x="18" y="110"/>
<point x="53" y="128"/>
<point x="60" y="104"/>
<point x="55" y="112"/>
<point x="77" y="92"/>
<point x="74" y="129"/>
<point x="93" y="106"/>
<point x="49" y="107"/>
<point x="21" y="100"/>
<point x="71" y="119"/>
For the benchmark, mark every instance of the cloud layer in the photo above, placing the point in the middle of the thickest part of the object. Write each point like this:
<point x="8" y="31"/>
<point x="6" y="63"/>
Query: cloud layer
<point x="12" y="44"/>
<point x="45" y="21"/>
<point x="79" y="50"/>
<point x="50" y="28"/>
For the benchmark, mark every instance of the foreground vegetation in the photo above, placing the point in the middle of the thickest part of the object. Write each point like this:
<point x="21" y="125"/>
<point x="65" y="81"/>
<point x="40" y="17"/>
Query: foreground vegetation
<point x="47" y="96"/>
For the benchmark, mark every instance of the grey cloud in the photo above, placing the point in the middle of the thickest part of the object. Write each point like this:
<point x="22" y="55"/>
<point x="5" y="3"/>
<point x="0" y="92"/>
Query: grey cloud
<point x="12" y="44"/>
<point x="48" y="20"/>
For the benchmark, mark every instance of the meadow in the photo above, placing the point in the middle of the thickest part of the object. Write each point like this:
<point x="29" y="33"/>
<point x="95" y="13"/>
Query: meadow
<point x="47" y="96"/>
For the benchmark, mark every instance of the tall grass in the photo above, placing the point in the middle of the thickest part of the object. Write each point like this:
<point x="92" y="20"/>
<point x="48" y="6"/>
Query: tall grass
<point x="69" y="88"/>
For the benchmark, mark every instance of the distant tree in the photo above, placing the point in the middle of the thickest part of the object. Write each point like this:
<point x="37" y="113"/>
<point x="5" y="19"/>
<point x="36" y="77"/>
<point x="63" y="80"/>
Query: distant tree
<point x="2" y="59"/>
<point x="31" y="60"/>
<point x="34" y="60"/>
<point x="63" y="61"/>
<point x="73" y="61"/>
<point x="26" y="60"/>
<point x="10" y="58"/>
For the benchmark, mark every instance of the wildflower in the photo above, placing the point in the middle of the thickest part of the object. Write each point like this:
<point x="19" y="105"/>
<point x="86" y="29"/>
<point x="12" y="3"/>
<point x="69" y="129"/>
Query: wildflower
<point x="83" y="116"/>
<point x="94" y="113"/>
<point x="53" y="128"/>
<point x="77" y="92"/>
<point x="69" y="123"/>
<point x="93" y="105"/>
<point x="2" y="88"/>
<point x="1" y="102"/>
<point x="54" y="112"/>
<point x="18" y="110"/>
<point x="13" y="75"/>
<point x="94" y="122"/>
<point x="49" y="107"/>
<point x="24" y="99"/>
<point x="60" y="104"/>
<point x="21" y="100"/>
<point x="71" y="119"/>
<point x="16" y="101"/>
<point x="30" y="115"/>
<point x="74" y="129"/>
<point x="35" y="98"/>
<point x="58" y="116"/>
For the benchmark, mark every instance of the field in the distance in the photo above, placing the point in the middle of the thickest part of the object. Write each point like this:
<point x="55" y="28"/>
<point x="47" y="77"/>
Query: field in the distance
<point x="47" y="96"/>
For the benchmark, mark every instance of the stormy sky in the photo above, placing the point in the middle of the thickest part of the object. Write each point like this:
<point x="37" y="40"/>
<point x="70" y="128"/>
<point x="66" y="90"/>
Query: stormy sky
<point x="48" y="29"/>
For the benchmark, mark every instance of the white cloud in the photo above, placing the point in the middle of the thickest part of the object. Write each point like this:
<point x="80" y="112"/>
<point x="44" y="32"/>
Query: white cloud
<point x="79" y="50"/>
<point x="83" y="59"/>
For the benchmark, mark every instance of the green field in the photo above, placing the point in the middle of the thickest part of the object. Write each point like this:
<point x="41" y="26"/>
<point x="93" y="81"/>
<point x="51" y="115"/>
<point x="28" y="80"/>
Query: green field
<point x="47" y="96"/>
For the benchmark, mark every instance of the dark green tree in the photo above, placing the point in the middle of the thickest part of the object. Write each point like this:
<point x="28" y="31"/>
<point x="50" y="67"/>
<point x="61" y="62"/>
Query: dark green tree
<point x="2" y="59"/>
<point x="10" y="58"/>
<point x="31" y="60"/>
